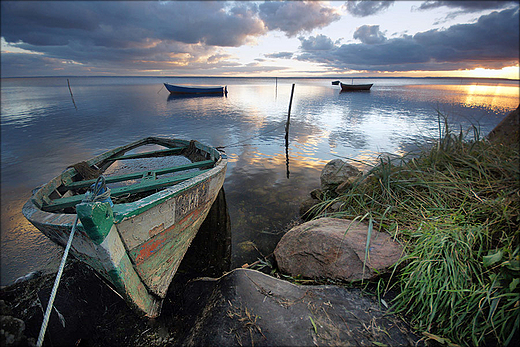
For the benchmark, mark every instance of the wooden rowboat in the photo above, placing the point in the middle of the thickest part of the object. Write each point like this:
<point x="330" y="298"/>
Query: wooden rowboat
<point x="176" y="89"/>
<point x="353" y="87"/>
<point x="137" y="236"/>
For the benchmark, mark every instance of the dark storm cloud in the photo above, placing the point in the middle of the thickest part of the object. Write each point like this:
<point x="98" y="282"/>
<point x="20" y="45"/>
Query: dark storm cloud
<point x="128" y="24"/>
<point x="318" y="43"/>
<point x="369" y="34"/>
<point x="471" y="6"/>
<point x="491" y="42"/>
<point x="366" y="8"/>
<point x="293" y="17"/>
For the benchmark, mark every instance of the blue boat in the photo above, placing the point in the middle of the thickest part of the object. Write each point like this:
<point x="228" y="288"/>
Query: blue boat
<point x="176" y="89"/>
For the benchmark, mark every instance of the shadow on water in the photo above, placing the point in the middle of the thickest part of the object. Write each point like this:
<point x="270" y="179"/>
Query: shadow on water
<point x="173" y="97"/>
<point x="210" y="251"/>
<point x="354" y="91"/>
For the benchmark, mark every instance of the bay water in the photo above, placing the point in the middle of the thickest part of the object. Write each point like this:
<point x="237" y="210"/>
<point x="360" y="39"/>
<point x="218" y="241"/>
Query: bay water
<point x="44" y="130"/>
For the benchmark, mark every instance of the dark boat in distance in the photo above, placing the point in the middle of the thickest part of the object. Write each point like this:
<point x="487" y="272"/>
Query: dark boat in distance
<point x="176" y="89"/>
<point x="352" y="86"/>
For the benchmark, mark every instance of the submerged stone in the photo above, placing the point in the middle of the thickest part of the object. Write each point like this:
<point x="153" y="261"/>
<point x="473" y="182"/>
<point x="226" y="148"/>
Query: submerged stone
<point x="336" y="172"/>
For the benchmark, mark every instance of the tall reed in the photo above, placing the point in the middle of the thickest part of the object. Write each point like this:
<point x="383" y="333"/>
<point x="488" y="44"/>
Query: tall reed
<point x="456" y="206"/>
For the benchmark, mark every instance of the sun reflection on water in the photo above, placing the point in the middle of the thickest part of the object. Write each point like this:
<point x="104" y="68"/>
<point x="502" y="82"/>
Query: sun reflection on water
<point x="495" y="96"/>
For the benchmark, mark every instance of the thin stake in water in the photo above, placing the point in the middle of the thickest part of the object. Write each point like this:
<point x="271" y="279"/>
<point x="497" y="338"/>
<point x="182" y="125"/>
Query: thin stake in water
<point x="287" y="132"/>
<point x="72" y="96"/>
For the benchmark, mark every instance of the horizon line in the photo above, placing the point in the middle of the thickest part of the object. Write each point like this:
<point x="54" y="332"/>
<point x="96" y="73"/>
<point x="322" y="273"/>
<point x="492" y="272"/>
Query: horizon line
<point x="269" y="77"/>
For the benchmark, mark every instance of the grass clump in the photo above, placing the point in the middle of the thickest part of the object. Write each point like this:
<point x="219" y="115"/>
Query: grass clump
<point x="456" y="207"/>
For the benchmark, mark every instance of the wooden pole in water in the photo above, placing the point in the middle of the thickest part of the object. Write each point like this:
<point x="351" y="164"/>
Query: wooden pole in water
<point x="287" y="132"/>
<point x="289" y="113"/>
<point x="72" y="96"/>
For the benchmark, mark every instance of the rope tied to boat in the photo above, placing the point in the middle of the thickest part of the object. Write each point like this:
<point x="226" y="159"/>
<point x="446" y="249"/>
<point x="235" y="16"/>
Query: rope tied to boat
<point x="98" y="192"/>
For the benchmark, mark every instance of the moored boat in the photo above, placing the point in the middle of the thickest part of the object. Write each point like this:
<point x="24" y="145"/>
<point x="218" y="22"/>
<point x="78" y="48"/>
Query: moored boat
<point x="177" y="89"/>
<point x="155" y="194"/>
<point x="353" y="87"/>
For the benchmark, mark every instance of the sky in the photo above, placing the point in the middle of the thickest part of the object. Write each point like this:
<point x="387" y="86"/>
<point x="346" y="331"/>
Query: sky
<point x="264" y="39"/>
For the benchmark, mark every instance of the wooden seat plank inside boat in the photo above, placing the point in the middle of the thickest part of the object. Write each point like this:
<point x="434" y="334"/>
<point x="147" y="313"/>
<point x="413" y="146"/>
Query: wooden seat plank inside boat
<point x="146" y="184"/>
<point x="137" y="175"/>
<point x="159" y="153"/>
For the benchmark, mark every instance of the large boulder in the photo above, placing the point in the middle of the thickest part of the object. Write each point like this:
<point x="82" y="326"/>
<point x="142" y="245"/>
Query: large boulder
<point x="508" y="130"/>
<point x="335" y="173"/>
<point x="248" y="308"/>
<point x="335" y="248"/>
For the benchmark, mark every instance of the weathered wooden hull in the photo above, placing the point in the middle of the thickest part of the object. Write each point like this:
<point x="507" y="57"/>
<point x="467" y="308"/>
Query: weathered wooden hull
<point x="136" y="246"/>
<point x="354" y="87"/>
<point x="176" y="89"/>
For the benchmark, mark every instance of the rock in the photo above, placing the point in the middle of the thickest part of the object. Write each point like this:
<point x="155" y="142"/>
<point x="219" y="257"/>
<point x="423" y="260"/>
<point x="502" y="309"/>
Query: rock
<point x="248" y="308"/>
<point x="345" y="185"/>
<point x="305" y="206"/>
<point x="336" y="172"/>
<point x="31" y="275"/>
<point x="315" y="198"/>
<point x="335" y="207"/>
<point x="508" y="130"/>
<point x="316" y="194"/>
<point x="4" y="309"/>
<point x="12" y="331"/>
<point x="335" y="248"/>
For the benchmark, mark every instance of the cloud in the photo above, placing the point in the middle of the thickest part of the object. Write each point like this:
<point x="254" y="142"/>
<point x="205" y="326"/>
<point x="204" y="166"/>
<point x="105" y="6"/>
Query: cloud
<point x="293" y="17"/>
<point x="366" y="8"/>
<point x="151" y="35"/>
<point x="128" y="24"/>
<point x="280" y="55"/>
<point x="464" y="7"/>
<point x="492" y="42"/>
<point x="468" y="6"/>
<point x="127" y="36"/>
<point x="369" y="34"/>
<point x="318" y="43"/>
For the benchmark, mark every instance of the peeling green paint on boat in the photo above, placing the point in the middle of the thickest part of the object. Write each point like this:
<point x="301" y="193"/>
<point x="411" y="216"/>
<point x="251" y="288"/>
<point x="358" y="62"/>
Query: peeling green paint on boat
<point x="97" y="219"/>
<point x="128" y="283"/>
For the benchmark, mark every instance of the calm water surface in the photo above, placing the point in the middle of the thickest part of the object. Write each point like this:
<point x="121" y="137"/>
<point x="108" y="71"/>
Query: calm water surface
<point x="43" y="133"/>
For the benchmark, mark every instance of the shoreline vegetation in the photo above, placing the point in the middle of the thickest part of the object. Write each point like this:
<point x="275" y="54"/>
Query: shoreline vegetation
<point x="456" y="209"/>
